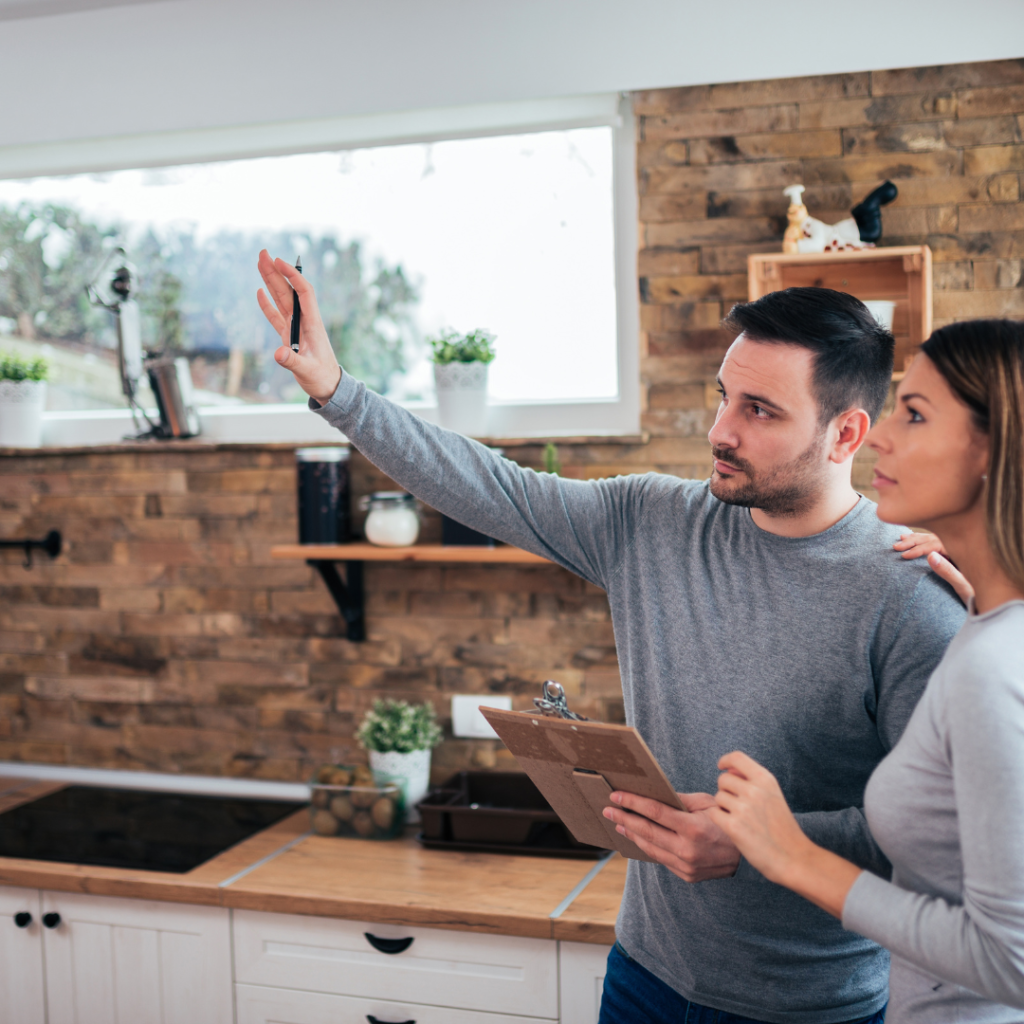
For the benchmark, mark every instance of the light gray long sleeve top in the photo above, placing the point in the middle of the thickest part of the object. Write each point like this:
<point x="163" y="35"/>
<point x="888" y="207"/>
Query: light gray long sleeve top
<point x="947" y="807"/>
<point x="808" y="652"/>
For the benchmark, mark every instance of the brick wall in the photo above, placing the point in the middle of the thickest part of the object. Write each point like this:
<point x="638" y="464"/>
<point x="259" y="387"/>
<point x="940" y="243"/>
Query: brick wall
<point x="713" y="161"/>
<point x="165" y="637"/>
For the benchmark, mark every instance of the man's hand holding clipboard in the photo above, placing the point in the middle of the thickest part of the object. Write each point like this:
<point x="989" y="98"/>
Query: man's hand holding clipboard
<point x="607" y="787"/>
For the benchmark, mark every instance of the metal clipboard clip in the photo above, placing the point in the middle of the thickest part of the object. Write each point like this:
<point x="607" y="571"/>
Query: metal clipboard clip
<point x="553" y="703"/>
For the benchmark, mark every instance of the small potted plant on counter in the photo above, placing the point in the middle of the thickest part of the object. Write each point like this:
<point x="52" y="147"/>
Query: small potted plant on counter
<point x="399" y="738"/>
<point x="22" y="398"/>
<point x="460" y="376"/>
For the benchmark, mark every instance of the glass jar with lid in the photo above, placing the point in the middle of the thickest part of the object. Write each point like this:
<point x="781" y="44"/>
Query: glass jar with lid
<point x="323" y="495"/>
<point x="393" y="520"/>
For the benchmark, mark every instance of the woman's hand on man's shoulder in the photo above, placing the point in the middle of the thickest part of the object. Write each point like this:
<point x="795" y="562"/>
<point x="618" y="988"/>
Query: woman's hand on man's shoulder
<point x="919" y="545"/>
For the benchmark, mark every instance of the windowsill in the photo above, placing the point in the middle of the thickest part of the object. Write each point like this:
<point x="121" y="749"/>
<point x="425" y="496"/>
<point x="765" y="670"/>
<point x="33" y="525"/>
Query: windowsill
<point x="292" y="425"/>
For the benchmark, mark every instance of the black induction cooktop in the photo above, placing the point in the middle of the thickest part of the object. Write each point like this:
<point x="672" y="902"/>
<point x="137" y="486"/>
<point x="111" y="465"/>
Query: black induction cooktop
<point x="131" y="828"/>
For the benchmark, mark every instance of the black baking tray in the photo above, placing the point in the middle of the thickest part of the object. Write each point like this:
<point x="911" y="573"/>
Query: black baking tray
<point x="500" y="812"/>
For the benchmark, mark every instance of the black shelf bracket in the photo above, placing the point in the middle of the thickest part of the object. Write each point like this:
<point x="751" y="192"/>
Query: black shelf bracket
<point x="51" y="544"/>
<point x="347" y="594"/>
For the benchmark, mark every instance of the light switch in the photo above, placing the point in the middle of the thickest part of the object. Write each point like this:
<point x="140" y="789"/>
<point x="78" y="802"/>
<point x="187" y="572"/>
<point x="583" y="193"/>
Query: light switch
<point x="467" y="722"/>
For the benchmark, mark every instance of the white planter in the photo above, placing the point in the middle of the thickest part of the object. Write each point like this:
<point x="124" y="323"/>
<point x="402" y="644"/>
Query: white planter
<point x="21" y="413"/>
<point x="462" y="396"/>
<point x="411" y="771"/>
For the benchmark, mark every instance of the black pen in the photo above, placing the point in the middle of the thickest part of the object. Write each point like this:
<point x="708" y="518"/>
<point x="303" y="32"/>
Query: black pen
<point x="296" y="309"/>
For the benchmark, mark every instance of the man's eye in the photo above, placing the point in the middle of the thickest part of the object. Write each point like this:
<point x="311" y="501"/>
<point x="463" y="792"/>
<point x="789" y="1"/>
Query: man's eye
<point x="761" y="412"/>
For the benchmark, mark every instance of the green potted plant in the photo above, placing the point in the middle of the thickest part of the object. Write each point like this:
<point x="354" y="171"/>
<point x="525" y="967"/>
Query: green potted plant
<point x="399" y="738"/>
<point x="460" y="376"/>
<point x="22" y="398"/>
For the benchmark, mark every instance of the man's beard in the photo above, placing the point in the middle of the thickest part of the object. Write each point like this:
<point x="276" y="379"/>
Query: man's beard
<point x="788" y="490"/>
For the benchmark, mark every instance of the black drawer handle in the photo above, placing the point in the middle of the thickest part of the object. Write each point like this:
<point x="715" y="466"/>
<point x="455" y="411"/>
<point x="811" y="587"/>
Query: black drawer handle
<point x="373" y="1020"/>
<point x="388" y="945"/>
<point x="51" y="920"/>
<point x="23" y="919"/>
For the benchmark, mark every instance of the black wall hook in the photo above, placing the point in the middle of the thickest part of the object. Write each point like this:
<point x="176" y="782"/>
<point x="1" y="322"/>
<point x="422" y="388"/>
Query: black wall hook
<point x="51" y="544"/>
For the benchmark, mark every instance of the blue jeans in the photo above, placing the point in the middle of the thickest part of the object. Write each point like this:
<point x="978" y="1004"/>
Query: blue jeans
<point x="632" y="995"/>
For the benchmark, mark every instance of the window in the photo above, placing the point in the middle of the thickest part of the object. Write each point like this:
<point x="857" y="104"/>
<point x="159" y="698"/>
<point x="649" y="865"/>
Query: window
<point x="524" y="229"/>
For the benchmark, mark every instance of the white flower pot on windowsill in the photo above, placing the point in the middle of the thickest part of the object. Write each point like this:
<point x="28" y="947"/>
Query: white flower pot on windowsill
<point x="462" y="396"/>
<point x="410" y="771"/>
<point x="21" y="413"/>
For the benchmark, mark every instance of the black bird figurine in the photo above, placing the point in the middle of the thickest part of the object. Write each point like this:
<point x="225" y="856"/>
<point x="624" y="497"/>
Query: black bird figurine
<point x="868" y="213"/>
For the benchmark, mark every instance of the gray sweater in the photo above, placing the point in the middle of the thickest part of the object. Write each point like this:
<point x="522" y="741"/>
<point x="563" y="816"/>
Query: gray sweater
<point x="808" y="653"/>
<point x="947" y="806"/>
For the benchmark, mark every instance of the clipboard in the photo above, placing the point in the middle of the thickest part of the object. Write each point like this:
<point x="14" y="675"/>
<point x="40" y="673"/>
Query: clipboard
<point x="577" y="764"/>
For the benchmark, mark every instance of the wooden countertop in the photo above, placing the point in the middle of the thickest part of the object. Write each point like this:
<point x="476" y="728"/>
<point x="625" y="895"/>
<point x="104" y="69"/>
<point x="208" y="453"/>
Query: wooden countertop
<point x="399" y="882"/>
<point x="591" y="916"/>
<point x="283" y="869"/>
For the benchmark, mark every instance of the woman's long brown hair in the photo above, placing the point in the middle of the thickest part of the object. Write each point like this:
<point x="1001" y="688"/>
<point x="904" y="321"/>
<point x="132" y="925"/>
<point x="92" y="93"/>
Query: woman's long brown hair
<point x="983" y="362"/>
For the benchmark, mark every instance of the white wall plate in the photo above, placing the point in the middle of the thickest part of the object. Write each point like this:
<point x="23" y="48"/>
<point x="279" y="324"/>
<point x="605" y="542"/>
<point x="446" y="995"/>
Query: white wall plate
<point x="467" y="722"/>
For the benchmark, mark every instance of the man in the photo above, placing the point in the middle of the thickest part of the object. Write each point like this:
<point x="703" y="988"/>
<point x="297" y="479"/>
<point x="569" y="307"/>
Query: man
<point x="763" y="610"/>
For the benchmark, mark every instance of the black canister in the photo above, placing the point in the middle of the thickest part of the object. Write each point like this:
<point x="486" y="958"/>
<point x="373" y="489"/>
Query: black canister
<point x="324" y="516"/>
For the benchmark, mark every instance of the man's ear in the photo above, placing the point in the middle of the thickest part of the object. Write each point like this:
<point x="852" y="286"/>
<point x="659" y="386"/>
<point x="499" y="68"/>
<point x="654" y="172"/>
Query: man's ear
<point x="849" y="431"/>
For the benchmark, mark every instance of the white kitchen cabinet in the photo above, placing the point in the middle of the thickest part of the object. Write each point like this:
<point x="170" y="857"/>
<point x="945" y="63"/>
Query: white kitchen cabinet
<point x="496" y="974"/>
<point x="128" y="961"/>
<point x="581" y="967"/>
<point x="22" y="999"/>
<point x="259" y="1005"/>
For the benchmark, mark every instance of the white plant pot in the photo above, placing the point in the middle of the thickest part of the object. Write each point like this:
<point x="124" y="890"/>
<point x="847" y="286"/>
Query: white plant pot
<point x="462" y="397"/>
<point x="410" y="771"/>
<point x="21" y="413"/>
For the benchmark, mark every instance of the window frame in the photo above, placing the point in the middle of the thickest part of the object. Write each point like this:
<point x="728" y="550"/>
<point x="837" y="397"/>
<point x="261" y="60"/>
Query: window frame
<point x="291" y="422"/>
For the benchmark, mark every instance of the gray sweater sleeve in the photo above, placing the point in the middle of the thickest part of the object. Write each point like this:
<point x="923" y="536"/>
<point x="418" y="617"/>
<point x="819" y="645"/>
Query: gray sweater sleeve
<point x="978" y="943"/>
<point x="583" y="525"/>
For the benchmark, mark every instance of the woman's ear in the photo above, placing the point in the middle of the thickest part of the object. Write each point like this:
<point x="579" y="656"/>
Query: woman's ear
<point x="980" y="453"/>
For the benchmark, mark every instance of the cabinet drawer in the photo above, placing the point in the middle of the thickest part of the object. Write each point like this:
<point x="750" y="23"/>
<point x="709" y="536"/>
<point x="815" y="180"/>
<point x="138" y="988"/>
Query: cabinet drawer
<point x="258" y="1005"/>
<point x="493" y="973"/>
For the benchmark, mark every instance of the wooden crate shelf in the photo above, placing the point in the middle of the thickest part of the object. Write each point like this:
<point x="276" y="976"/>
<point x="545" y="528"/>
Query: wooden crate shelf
<point x="899" y="273"/>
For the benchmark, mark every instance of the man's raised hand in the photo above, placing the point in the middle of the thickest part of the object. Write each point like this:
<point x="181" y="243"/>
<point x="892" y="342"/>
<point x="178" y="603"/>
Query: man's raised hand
<point x="314" y="366"/>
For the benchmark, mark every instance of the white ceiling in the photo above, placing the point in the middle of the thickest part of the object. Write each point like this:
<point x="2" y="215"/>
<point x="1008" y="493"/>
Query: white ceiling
<point x="88" y="69"/>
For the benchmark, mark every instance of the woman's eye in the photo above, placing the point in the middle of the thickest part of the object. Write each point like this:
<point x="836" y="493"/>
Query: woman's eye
<point x="915" y="416"/>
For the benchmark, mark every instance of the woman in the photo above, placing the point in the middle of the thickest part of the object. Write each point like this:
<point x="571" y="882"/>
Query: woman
<point x="947" y="805"/>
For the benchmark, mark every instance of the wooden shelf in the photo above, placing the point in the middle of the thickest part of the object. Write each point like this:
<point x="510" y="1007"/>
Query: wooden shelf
<point x="348" y="593"/>
<point x="899" y="273"/>
<point x="500" y="554"/>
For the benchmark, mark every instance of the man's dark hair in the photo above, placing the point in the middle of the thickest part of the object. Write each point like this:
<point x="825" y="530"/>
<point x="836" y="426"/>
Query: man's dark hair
<point x="853" y="352"/>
